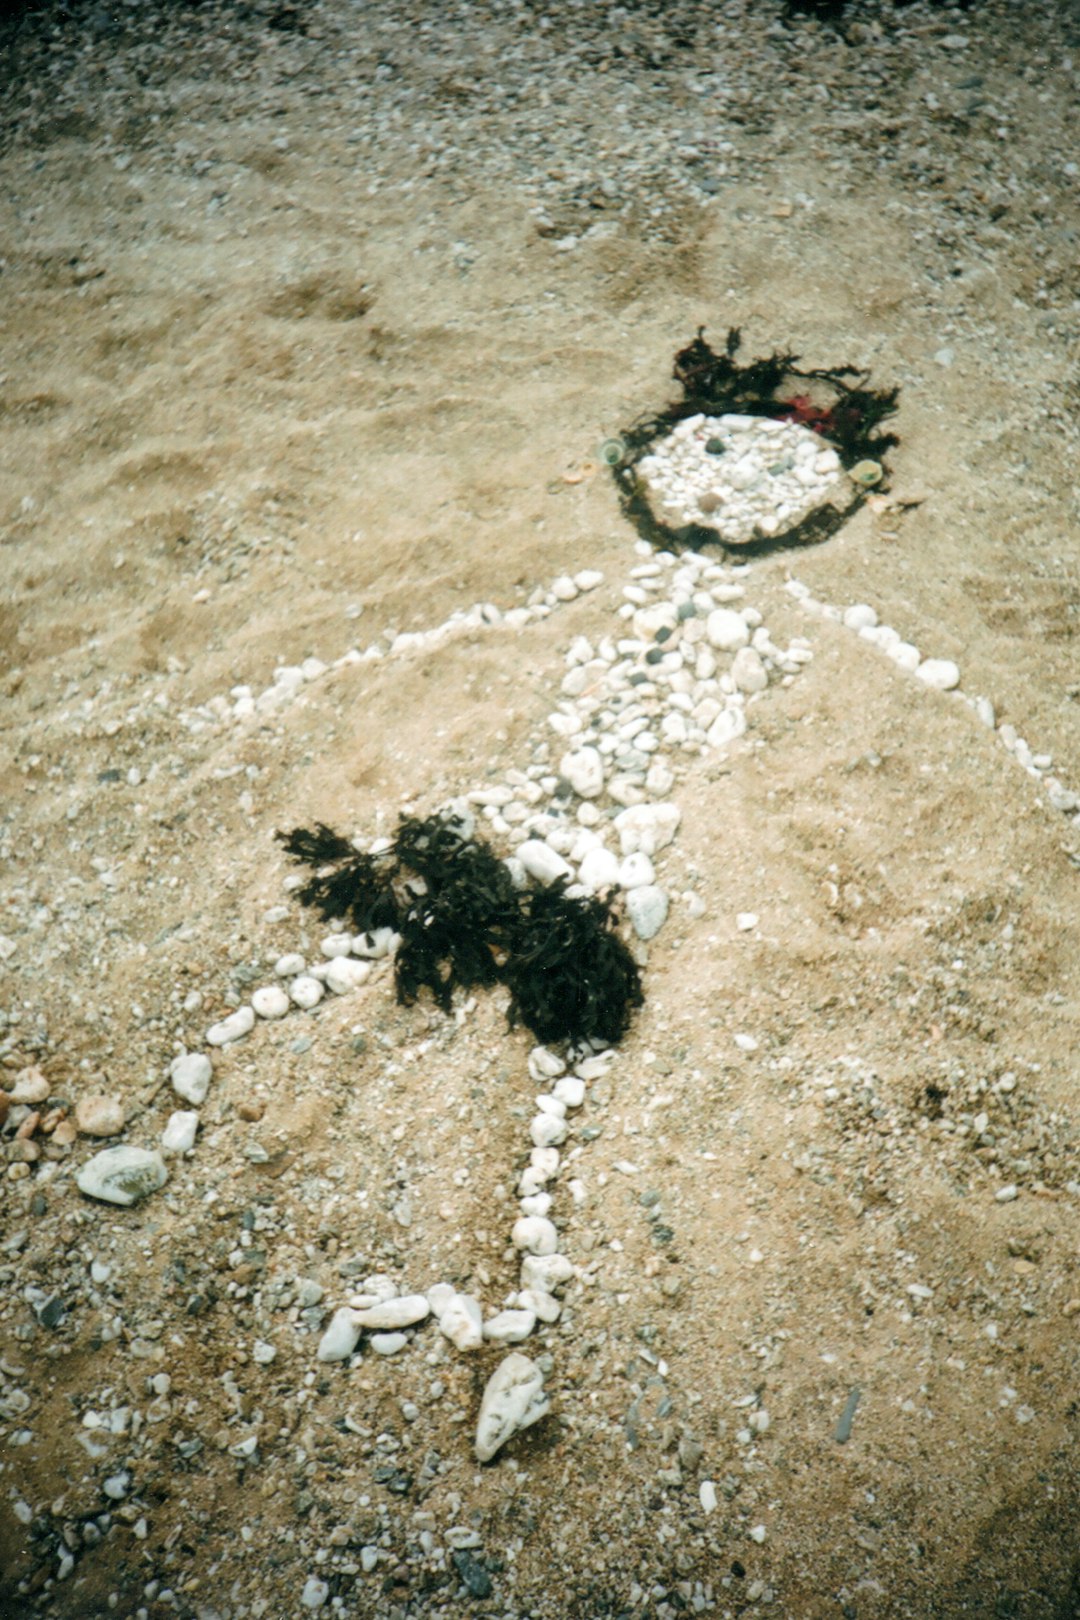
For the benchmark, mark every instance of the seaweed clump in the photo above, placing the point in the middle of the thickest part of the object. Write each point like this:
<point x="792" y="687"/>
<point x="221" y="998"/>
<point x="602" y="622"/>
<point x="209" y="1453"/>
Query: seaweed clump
<point x="836" y="402"/>
<point x="462" y="923"/>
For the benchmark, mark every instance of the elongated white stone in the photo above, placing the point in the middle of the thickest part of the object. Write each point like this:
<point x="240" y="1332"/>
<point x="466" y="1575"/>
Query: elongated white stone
<point x="122" y="1175"/>
<point x="233" y="1028"/>
<point x="513" y="1400"/>
<point x="541" y="861"/>
<point x="191" y="1074"/>
<point x="345" y="973"/>
<point x="509" y="1327"/>
<point x="341" y="1337"/>
<point x="462" y="1321"/>
<point x="395" y="1313"/>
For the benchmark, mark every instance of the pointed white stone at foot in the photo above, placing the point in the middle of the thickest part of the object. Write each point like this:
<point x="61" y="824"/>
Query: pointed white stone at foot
<point x="395" y="1313"/>
<point x="341" y="1337"/>
<point x="541" y="861"/>
<point x="536" y="1234"/>
<point x="514" y="1399"/>
<point x="232" y="1028"/>
<point x="636" y="870"/>
<point x="462" y="1321"/>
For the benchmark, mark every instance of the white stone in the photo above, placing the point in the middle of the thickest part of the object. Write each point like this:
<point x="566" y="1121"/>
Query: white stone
<point x="387" y="1344"/>
<point x="180" y="1131"/>
<point x="541" y="861"/>
<point x="509" y="1327"/>
<point x="860" y="617"/>
<point x="636" y="870"/>
<point x="336" y="945"/>
<point x="728" y="725"/>
<point x="287" y="967"/>
<point x="536" y="1204"/>
<point x="513" y="1400"/>
<point x="545" y="1160"/>
<point x="375" y="943"/>
<point x="270" y="1001"/>
<point x="404" y="1311"/>
<point x="647" y="908"/>
<point x="122" y="1175"/>
<point x="306" y="992"/>
<point x="906" y="655"/>
<point x="545" y="1272"/>
<point x="583" y="768"/>
<point x="745" y="921"/>
<point x="543" y="1306"/>
<point x="439" y="1296"/>
<point x="563" y="589"/>
<point x="462" y="1321"/>
<point x="588" y="579"/>
<point x="726" y="629"/>
<point x="748" y="672"/>
<point x="659" y="779"/>
<point x="707" y="1496"/>
<point x="570" y="1091"/>
<point x="547" y="1131"/>
<point x="191" y="1074"/>
<point x="599" y="870"/>
<point x="544" y="1064"/>
<point x="647" y="828"/>
<point x="535" y="1234"/>
<point x="233" y="1028"/>
<point x="341" y="1337"/>
<point x="315" y="1591"/>
<point x="99" y="1115"/>
<point x="345" y="973"/>
<point x="940" y="673"/>
<point x="375" y="1290"/>
<point x="548" y="1103"/>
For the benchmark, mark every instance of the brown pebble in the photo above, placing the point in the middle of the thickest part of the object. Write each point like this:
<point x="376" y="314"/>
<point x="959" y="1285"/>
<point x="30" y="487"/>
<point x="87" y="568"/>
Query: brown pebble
<point x="5" y="1104"/>
<point x="65" y="1133"/>
<point x="708" y="502"/>
<point x="52" y="1119"/>
<point x="251" y="1111"/>
<point x="28" y="1127"/>
<point x="1071" y="1308"/>
<point x="21" y="1151"/>
<point x="99" y="1115"/>
<point x="30" y="1086"/>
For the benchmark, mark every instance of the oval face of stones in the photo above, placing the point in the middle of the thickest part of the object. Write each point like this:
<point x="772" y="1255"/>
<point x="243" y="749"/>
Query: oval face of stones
<point x="122" y="1175"/>
<point x="746" y="478"/>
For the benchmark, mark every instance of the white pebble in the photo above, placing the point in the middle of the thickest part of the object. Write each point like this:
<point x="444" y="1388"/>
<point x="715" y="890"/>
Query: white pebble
<point x="570" y="1090"/>
<point x="233" y="1028"/>
<point x="940" y="673"/>
<point x="315" y="1593"/>
<point x="122" y="1175"/>
<point x="543" y="1306"/>
<point x="636" y="870"/>
<point x="545" y="1272"/>
<point x="748" y="672"/>
<point x="191" y="1074"/>
<point x="728" y="725"/>
<point x="387" y="1344"/>
<point x="179" y="1133"/>
<point x="462" y="1321"/>
<point x="336" y="945"/>
<point x="270" y="1001"/>
<point x="509" y="1327"/>
<point x="599" y="869"/>
<point x="726" y="629"/>
<point x="536" y="1204"/>
<point x="745" y="921"/>
<point x="647" y="908"/>
<point x="707" y="1496"/>
<point x="345" y="973"/>
<point x="906" y="654"/>
<point x="306" y="992"/>
<point x="544" y="1064"/>
<point x="860" y="617"/>
<point x="547" y="1131"/>
<point x="1005" y="1195"/>
<point x="375" y="943"/>
<point x="287" y="967"/>
<point x="541" y="861"/>
<point x="395" y="1313"/>
<point x="647" y="828"/>
<point x="583" y="768"/>
<point x="535" y="1234"/>
<point x="341" y="1337"/>
<point x="758" y="1533"/>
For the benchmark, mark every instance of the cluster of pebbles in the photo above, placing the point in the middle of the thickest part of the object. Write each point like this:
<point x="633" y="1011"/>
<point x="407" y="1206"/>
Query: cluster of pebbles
<point x="745" y="477"/>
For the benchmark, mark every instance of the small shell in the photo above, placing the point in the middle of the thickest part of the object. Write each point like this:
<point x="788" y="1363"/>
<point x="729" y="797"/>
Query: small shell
<point x="866" y="474"/>
<point x="612" y="452"/>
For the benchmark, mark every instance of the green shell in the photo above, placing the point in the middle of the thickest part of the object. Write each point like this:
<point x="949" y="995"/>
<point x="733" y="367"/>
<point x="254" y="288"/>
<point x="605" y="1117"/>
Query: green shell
<point x="612" y="452"/>
<point x="866" y="474"/>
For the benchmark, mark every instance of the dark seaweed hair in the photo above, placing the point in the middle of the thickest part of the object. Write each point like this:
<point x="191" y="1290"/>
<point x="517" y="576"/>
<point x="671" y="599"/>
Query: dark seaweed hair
<point x="712" y="384"/>
<point x="463" y="923"/>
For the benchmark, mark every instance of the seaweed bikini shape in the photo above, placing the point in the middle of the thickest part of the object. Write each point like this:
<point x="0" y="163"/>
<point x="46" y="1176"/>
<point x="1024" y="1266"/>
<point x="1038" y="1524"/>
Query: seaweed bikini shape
<point x="463" y="923"/>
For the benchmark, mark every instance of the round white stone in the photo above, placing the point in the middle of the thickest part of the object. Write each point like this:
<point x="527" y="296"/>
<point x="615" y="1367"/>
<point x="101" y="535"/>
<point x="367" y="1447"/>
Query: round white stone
<point x="583" y="768"/>
<point x="599" y="869"/>
<point x="860" y="617"/>
<point x="570" y="1091"/>
<point x="345" y="973"/>
<point x="270" y="1001"/>
<point x="535" y="1234"/>
<point x="541" y="861"/>
<point x="315" y="1593"/>
<point x="547" y="1131"/>
<point x="287" y="967"/>
<point x="306" y="992"/>
<point x="635" y="870"/>
<point x="748" y="672"/>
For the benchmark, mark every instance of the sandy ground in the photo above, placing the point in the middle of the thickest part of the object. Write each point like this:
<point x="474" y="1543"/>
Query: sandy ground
<point x="306" y="341"/>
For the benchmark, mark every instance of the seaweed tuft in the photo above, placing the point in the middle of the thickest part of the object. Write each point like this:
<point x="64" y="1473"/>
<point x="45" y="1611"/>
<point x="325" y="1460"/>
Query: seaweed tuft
<point x="462" y="923"/>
